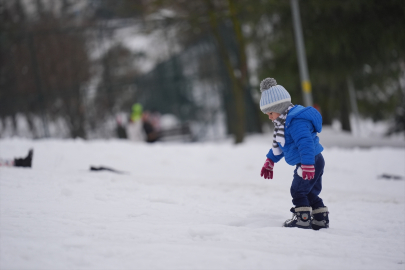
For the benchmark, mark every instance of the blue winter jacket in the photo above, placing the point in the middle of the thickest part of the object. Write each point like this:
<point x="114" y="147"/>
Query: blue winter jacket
<point x="301" y="140"/>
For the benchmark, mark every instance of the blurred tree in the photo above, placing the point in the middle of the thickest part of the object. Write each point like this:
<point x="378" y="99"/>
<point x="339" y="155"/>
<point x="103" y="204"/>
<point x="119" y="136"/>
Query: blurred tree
<point x="44" y="64"/>
<point x="363" y="40"/>
<point x="12" y="23"/>
<point x="119" y="69"/>
<point x="219" y="19"/>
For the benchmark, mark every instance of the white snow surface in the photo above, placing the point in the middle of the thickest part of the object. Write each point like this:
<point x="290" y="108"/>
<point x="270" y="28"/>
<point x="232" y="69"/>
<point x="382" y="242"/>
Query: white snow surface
<point x="193" y="206"/>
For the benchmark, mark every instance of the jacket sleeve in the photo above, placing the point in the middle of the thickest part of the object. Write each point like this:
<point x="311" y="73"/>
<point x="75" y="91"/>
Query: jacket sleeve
<point x="300" y="130"/>
<point x="273" y="157"/>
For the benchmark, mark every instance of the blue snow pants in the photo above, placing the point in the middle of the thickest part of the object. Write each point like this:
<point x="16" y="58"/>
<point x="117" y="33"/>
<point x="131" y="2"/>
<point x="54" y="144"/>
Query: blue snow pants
<point x="305" y="192"/>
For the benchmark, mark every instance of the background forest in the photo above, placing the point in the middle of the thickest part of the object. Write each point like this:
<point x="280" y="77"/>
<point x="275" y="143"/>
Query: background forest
<point x="69" y="68"/>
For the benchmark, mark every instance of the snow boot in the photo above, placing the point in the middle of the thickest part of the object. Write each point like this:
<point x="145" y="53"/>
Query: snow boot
<point x="24" y="162"/>
<point x="320" y="218"/>
<point x="301" y="218"/>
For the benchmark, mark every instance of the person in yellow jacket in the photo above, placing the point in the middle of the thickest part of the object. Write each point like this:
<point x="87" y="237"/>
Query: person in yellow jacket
<point x="134" y="127"/>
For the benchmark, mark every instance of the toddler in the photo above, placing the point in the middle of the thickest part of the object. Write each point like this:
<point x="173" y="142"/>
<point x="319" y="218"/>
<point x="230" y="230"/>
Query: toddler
<point x="295" y="138"/>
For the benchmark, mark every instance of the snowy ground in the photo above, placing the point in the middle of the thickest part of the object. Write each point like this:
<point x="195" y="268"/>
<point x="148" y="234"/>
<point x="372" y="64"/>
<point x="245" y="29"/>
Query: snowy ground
<point x="193" y="206"/>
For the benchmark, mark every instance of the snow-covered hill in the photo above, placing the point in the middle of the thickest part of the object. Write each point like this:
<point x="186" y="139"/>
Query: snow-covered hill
<point x="193" y="206"/>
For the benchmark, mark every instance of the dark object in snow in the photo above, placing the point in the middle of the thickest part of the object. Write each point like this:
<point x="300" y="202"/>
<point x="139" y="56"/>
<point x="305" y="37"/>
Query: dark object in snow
<point x="101" y="168"/>
<point x="24" y="162"/>
<point x="390" y="177"/>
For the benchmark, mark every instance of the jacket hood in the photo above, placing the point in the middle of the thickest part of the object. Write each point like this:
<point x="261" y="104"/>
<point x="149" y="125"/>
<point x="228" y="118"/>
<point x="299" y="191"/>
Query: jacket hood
<point x="307" y="113"/>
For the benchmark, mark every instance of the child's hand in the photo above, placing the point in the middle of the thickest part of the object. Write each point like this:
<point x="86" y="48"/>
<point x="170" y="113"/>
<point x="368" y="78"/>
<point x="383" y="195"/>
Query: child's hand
<point x="267" y="170"/>
<point x="308" y="172"/>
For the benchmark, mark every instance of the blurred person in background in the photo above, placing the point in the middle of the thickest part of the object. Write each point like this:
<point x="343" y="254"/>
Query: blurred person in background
<point x="154" y="117"/>
<point x="120" y="129"/>
<point x="148" y="124"/>
<point x="134" y="128"/>
<point x="295" y="138"/>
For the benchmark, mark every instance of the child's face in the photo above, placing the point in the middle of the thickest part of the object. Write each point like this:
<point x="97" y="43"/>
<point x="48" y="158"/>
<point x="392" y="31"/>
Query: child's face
<point x="273" y="115"/>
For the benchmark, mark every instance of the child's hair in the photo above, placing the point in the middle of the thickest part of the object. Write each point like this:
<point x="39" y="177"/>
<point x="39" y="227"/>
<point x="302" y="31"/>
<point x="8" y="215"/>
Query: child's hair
<point x="274" y="97"/>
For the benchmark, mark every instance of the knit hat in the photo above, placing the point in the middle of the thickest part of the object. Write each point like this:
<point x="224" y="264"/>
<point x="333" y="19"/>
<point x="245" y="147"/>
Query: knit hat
<point x="274" y="97"/>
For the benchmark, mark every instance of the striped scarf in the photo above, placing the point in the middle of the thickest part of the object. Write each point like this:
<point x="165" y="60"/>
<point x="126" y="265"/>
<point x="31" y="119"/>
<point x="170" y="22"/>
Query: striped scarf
<point x="278" y="135"/>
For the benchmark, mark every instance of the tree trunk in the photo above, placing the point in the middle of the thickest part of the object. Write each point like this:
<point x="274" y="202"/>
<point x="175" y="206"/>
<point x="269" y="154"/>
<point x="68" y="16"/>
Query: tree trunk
<point x="254" y="112"/>
<point x="31" y="125"/>
<point x="344" y="108"/>
<point x="14" y="124"/>
<point x="75" y="114"/>
<point x="237" y="88"/>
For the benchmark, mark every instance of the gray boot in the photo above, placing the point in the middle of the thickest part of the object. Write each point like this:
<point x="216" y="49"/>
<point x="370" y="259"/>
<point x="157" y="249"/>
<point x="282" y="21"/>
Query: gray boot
<point x="301" y="218"/>
<point x="320" y="218"/>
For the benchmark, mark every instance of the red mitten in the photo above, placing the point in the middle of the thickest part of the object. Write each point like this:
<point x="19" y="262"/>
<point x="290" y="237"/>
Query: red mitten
<point x="308" y="172"/>
<point x="267" y="170"/>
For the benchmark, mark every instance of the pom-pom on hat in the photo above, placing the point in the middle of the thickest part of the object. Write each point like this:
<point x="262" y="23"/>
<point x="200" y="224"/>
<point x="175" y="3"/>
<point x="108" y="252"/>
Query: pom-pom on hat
<point x="274" y="97"/>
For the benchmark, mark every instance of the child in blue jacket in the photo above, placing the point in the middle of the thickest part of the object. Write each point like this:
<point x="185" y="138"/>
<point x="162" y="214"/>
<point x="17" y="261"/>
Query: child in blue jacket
<point x="295" y="138"/>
